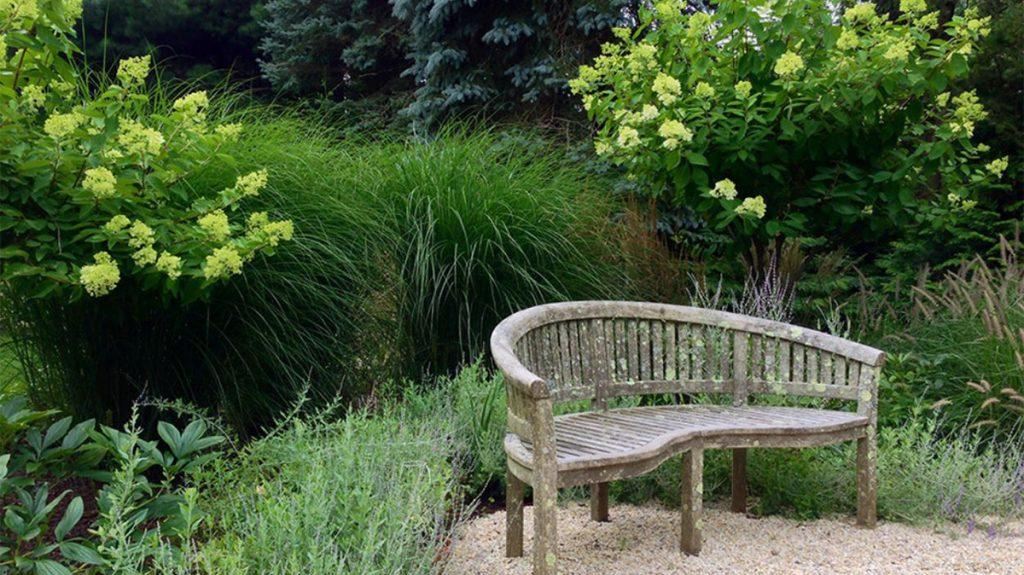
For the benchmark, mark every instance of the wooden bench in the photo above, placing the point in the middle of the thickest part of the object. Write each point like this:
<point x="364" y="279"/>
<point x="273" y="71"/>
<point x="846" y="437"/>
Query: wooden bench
<point x="594" y="352"/>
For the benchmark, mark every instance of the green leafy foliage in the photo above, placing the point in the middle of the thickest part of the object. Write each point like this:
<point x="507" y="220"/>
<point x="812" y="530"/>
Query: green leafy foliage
<point x="374" y="493"/>
<point x="92" y="178"/>
<point x="778" y="119"/>
<point x="44" y="524"/>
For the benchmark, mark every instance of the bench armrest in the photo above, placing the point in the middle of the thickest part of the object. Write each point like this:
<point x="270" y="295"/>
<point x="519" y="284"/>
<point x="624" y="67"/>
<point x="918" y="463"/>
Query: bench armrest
<point x="516" y="374"/>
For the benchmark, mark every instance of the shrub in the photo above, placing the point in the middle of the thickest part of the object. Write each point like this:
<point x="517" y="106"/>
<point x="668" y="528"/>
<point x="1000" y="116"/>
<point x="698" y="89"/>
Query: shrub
<point x="78" y="497"/>
<point x="959" y="345"/>
<point x="93" y="181"/>
<point x="406" y="254"/>
<point x="776" y="120"/>
<point x="925" y="476"/>
<point x="97" y="197"/>
<point x="369" y="494"/>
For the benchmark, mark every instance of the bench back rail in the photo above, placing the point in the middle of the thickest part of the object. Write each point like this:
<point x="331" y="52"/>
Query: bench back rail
<point x="596" y="351"/>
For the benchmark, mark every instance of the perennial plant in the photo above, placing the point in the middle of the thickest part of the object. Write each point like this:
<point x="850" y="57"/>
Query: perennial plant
<point x="93" y="179"/>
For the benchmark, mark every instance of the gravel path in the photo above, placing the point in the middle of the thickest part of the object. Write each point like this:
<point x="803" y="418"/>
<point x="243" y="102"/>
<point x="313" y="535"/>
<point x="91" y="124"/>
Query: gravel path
<point x="644" y="541"/>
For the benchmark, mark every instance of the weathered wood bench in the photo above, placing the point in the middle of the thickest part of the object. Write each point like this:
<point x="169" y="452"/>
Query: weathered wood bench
<point x="593" y="352"/>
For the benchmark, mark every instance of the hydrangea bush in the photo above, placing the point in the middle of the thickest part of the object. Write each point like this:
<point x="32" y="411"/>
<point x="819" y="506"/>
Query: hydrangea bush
<point x="94" y="179"/>
<point x="785" y="117"/>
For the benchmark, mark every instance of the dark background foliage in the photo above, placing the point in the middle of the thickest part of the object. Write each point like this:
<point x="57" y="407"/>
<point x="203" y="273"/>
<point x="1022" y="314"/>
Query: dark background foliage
<point x="190" y="38"/>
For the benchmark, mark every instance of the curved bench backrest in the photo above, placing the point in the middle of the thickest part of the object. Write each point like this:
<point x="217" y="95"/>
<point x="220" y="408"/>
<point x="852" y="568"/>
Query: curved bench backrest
<point x="599" y="350"/>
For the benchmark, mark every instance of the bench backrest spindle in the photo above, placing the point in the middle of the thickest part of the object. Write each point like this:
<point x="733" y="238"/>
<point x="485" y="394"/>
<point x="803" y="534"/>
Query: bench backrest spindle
<point x="596" y="351"/>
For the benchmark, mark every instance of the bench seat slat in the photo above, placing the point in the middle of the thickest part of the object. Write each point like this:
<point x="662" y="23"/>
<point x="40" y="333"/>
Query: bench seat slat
<point x="594" y="439"/>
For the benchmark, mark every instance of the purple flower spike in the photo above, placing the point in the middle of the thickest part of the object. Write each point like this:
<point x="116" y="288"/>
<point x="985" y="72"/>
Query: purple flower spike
<point x="970" y="526"/>
<point x="991" y="532"/>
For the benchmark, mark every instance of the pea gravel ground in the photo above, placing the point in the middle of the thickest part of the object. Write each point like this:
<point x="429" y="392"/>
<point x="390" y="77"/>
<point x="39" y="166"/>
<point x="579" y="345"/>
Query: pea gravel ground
<point x="644" y="541"/>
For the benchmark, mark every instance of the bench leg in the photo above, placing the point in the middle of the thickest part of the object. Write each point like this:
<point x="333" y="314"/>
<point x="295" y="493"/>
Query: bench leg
<point x="599" y="502"/>
<point x="545" y="525"/>
<point x="867" y="486"/>
<point x="692" y="501"/>
<point x="514" y="493"/>
<point x="739" y="481"/>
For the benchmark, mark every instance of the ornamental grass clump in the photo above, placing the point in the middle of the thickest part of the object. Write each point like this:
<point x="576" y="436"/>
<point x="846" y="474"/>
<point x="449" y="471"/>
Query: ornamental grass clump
<point x="789" y="118"/>
<point x="93" y="174"/>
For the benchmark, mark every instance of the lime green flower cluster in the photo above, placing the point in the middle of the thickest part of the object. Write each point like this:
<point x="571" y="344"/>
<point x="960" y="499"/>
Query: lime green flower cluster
<point x="789" y="64"/>
<point x="825" y="121"/>
<point x="101" y="277"/>
<point x="754" y="206"/>
<point x="104" y="170"/>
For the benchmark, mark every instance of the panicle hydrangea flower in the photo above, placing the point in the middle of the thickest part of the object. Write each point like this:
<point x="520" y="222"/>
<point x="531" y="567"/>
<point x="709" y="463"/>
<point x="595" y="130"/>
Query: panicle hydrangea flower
<point x="674" y="129"/>
<point x="140" y="235"/>
<point x="192" y="106"/>
<point x="754" y="206"/>
<point x="704" y="91"/>
<point x="229" y="131"/>
<point x="137" y="139"/>
<point x="998" y="166"/>
<point x="133" y="71"/>
<point x="33" y="96"/>
<point x="3" y="50"/>
<point x="929" y="21"/>
<point x="897" y="52"/>
<point x="216" y="225"/>
<point x="641" y="58"/>
<point x="73" y="9"/>
<point x="979" y="25"/>
<point x="913" y="6"/>
<point x="628" y="137"/>
<point x="848" y="40"/>
<point x="117" y="223"/>
<point x="278" y="231"/>
<point x="697" y="24"/>
<point x="724" y="189"/>
<point x="251" y="183"/>
<point x="223" y="262"/>
<point x="169" y="264"/>
<point x="649" y="112"/>
<point x="861" y="12"/>
<point x="942" y="99"/>
<point x="968" y="107"/>
<point x="868" y="210"/>
<point x="602" y="148"/>
<point x="60" y="126"/>
<point x="668" y="9"/>
<point x="100" y="182"/>
<point x="21" y="9"/>
<point x="788" y="64"/>
<point x="742" y="89"/>
<point x="144" y="256"/>
<point x="959" y="203"/>
<point x="667" y="88"/>
<point x="101" y="277"/>
<point x="670" y="143"/>
<point x="256" y="221"/>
